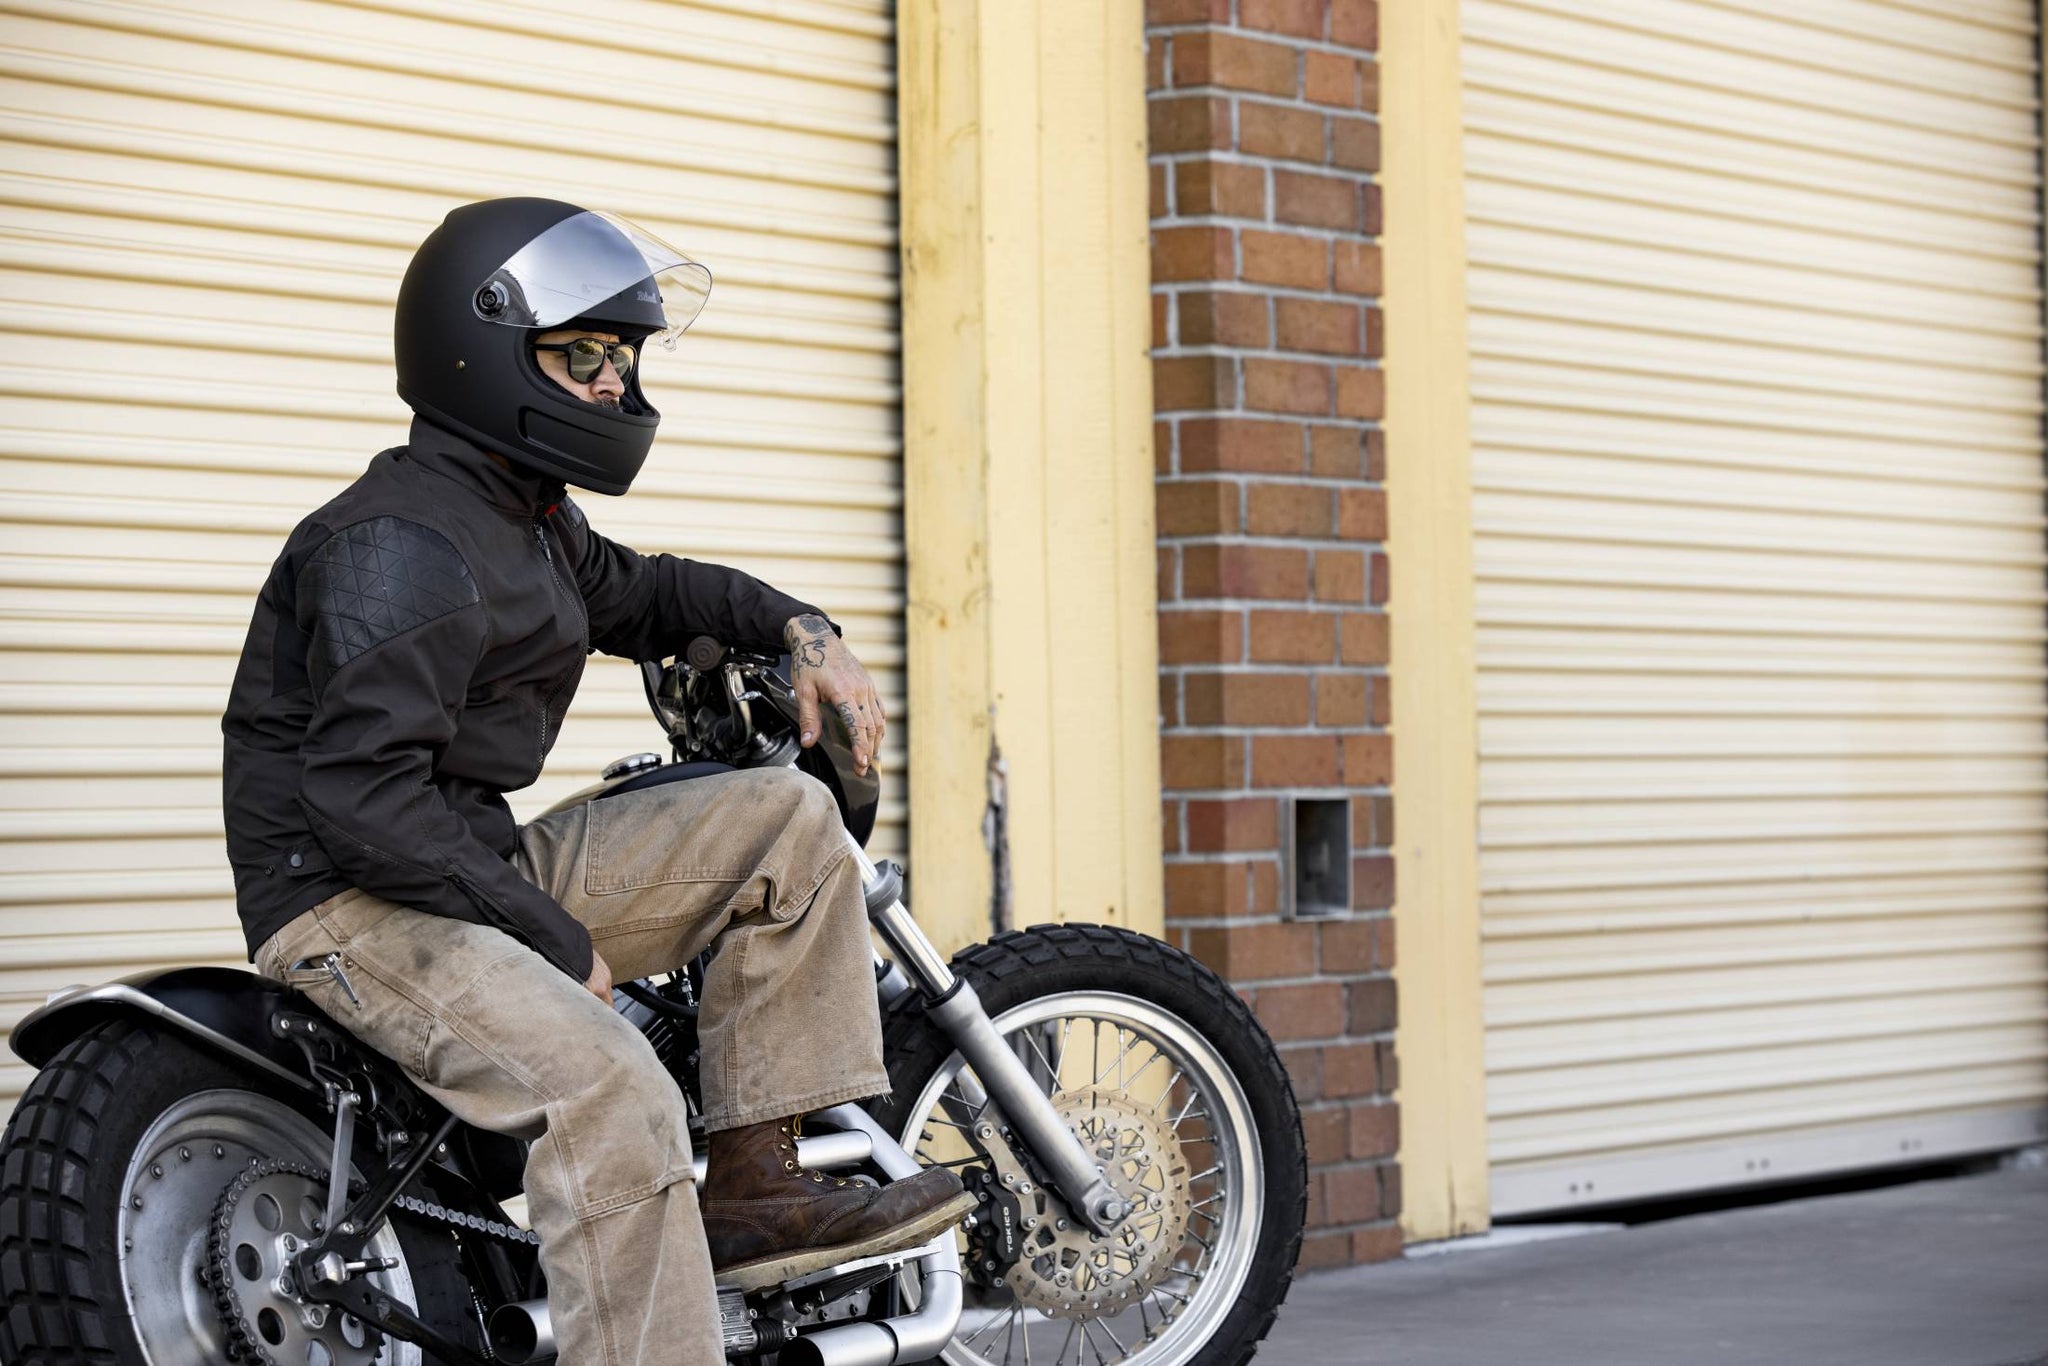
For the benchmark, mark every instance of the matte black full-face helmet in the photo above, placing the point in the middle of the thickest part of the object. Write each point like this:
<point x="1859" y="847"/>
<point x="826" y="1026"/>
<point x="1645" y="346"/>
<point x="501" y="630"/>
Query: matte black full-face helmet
<point x="497" y="273"/>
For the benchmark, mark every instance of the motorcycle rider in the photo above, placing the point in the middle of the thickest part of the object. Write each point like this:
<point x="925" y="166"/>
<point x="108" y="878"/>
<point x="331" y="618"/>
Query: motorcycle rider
<point x="410" y="658"/>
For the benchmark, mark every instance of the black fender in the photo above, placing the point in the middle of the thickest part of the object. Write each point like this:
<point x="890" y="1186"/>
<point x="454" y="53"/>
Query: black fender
<point x="227" y="1010"/>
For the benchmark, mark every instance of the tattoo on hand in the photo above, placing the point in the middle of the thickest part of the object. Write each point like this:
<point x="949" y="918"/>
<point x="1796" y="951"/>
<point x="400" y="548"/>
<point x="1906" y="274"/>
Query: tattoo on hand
<point x="807" y="637"/>
<point x="851" y="716"/>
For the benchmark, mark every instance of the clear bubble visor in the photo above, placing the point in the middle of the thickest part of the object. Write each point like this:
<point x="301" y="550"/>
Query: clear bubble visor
<point x="596" y="263"/>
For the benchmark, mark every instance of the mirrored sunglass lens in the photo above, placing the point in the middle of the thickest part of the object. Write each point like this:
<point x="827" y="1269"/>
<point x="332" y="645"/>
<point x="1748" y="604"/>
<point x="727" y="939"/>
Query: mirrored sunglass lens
<point x="586" y="358"/>
<point x="623" y="358"/>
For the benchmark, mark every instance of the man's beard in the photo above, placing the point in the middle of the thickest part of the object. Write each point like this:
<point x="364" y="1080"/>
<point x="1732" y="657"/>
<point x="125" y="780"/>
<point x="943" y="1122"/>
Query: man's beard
<point x="606" y="401"/>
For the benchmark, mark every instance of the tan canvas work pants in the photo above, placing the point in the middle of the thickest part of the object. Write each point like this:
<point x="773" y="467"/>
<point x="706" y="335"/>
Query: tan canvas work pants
<point x="752" y="865"/>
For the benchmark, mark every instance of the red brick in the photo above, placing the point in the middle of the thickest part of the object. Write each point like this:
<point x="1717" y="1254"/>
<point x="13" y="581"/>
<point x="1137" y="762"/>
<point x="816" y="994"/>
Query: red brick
<point x="1358" y="267"/>
<point x="1284" y="132"/>
<point x="1227" y="189"/>
<point x="1318" y="325"/>
<point x="1286" y="386"/>
<point x="1364" y="637"/>
<point x="1201" y="761"/>
<point x="1381" y="811"/>
<point x="1351" y="1069"/>
<point x="1293" y="637"/>
<point x="1200" y="636"/>
<point x="1382" y="701"/>
<point x="1362" y="514"/>
<point x="1326" y="1131"/>
<point x="1390" y="1067"/>
<point x="1368" y="762"/>
<point x="1375" y="1130"/>
<point x="1355" y="143"/>
<point x="1355" y="23"/>
<point x="1266" y="888"/>
<point x="1162" y="325"/>
<point x="1375" y="454"/>
<point x="1278" y="258"/>
<point x="1204" y="890"/>
<point x="1247" y="699"/>
<point x="1372" y="1007"/>
<point x="1244" y="571"/>
<point x="1377" y="579"/>
<point x="1340" y="576"/>
<point x="1193" y="382"/>
<point x="1202" y="251"/>
<point x="1289" y="509"/>
<point x="1301" y="18"/>
<point x="1375" y="334"/>
<point x="1316" y="201"/>
<point x="1159" y="13"/>
<point x="1247" y="445"/>
<point x="1162" y="447"/>
<point x="1380" y="1243"/>
<point x="1335" y="452"/>
<point x="1294" y="760"/>
<point x="1233" y="823"/>
<point x="1307" y="1010"/>
<point x="1372" y="879"/>
<point x="1197" y="507"/>
<point x="1328" y="78"/>
<point x="1235" y="62"/>
<point x="1371" y="210"/>
<point x="1168" y="573"/>
<point x="1169" y="818"/>
<point x="1304" y="1064"/>
<point x="1351" y="1195"/>
<point x="1217" y="319"/>
<point x="1187" y="123"/>
<point x="1340" y="699"/>
<point x="1256" y="953"/>
<point x="1344" y="947"/>
<point x="1361" y="391"/>
<point x="1368" y="85"/>
<point x="1156" y="182"/>
<point x="1324" y="1251"/>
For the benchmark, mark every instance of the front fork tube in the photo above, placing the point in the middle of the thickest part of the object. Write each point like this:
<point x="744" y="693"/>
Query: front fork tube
<point x="953" y="1006"/>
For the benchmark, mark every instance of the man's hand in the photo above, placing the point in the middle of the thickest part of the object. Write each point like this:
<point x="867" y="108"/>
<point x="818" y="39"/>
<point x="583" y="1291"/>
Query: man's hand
<point x="600" y="983"/>
<point x="823" y="670"/>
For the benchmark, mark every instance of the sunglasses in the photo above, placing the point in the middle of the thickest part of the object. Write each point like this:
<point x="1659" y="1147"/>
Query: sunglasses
<point x="587" y="355"/>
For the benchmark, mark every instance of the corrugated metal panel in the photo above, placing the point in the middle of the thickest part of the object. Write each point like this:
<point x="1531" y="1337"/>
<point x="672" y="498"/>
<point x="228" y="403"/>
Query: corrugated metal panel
<point x="1756" y="340"/>
<point x="205" y="207"/>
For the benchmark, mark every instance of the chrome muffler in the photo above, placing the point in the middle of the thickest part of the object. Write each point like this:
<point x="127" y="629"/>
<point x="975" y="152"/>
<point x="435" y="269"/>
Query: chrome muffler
<point x="521" y="1333"/>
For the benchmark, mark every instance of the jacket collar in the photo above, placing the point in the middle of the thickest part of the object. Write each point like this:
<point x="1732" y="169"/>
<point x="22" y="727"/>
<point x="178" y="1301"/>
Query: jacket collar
<point x="507" y="487"/>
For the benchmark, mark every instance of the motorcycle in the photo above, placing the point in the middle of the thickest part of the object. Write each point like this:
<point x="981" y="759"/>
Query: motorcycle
<point x="207" y="1168"/>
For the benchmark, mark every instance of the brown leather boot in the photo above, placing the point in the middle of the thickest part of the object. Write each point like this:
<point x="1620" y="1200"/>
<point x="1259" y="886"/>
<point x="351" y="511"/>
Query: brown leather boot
<point x="768" y="1219"/>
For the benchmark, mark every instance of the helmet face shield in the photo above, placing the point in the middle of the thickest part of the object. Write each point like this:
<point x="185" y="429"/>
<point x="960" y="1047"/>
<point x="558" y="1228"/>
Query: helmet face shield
<point x="601" y="269"/>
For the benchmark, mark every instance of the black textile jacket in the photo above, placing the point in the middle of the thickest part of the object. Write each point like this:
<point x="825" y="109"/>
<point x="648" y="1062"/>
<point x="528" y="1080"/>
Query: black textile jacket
<point x="409" y="663"/>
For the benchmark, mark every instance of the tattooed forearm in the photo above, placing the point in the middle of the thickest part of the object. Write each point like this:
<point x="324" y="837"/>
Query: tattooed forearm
<point x="806" y="636"/>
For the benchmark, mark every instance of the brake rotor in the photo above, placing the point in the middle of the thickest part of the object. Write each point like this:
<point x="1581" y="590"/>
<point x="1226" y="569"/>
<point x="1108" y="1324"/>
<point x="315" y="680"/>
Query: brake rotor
<point x="262" y="1219"/>
<point x="1063" y="1268"/>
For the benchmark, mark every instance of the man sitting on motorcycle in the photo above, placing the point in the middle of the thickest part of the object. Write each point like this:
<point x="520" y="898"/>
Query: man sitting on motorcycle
<point x="410" y="660"/>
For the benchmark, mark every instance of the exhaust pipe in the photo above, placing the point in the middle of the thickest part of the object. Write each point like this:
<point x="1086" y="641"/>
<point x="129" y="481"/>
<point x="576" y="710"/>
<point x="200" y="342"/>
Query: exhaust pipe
<point x="914" y="1337"/>
<point x="521" y="1333"/>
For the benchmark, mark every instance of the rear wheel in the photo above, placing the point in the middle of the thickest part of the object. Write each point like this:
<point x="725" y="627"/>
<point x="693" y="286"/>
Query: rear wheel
<point x="1166" y="1077"/>
<point x="112" y="1172"/>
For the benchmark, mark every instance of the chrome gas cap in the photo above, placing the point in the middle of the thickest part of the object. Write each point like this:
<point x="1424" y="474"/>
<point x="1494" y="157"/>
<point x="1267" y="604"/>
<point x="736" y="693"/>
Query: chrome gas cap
<point x="631" y="764"/>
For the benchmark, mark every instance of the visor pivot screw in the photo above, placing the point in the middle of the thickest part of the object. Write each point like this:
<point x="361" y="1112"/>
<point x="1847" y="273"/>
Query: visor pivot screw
<point x="490" y="301"/>
<point x="462" y="365"/>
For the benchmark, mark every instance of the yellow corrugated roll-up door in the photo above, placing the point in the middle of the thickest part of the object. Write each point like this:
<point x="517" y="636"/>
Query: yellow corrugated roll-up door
<point x="205" y="209"/>
<point x="1756" y="339"/>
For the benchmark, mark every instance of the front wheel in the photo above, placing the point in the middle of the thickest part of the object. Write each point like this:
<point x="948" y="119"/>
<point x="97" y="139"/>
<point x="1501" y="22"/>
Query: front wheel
<point x="1164" y="1074"/>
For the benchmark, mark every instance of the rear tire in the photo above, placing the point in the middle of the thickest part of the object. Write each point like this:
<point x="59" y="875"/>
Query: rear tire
<point x="64" y="1163"/>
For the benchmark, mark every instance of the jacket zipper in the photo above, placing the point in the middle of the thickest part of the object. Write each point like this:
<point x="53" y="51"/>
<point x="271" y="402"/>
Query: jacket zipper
<point x="547" y="701"/>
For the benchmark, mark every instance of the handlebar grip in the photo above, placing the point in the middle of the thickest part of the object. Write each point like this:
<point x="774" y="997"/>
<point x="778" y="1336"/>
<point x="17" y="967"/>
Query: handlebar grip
<point x="704" y="654"/>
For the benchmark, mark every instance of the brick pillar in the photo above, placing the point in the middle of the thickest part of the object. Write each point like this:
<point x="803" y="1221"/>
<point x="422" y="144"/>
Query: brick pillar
<point x="1272" y="575"/>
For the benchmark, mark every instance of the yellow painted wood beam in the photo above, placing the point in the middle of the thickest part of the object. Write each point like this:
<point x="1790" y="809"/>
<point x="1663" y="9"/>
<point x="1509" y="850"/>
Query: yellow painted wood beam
<point x="1429" y="548"/>
<point x="1028" y="459"/>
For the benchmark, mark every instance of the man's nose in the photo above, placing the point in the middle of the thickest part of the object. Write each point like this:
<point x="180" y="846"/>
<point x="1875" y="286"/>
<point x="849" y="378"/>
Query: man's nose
<point x="608" y="381"/>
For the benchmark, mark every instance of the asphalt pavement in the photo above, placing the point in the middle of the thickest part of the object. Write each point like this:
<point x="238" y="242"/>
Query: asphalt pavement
<point x="1938" y="1273"/>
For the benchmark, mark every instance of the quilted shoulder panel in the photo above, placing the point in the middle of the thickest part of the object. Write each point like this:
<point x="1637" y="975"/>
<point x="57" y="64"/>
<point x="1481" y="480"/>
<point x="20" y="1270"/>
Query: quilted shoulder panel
<point x="374" y="580"/>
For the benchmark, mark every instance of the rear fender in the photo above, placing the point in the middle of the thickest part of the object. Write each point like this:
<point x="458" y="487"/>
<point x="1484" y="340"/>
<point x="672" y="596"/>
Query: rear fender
<point x="227" y="1010"/>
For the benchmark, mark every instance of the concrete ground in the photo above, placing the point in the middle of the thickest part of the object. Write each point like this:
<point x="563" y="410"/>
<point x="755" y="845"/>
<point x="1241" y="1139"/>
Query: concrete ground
<point x="1939" y="1273"/>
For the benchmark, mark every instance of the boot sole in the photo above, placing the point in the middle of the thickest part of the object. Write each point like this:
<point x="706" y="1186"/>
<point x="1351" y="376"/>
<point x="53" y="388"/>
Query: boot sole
<point x="767" y="1271"/>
